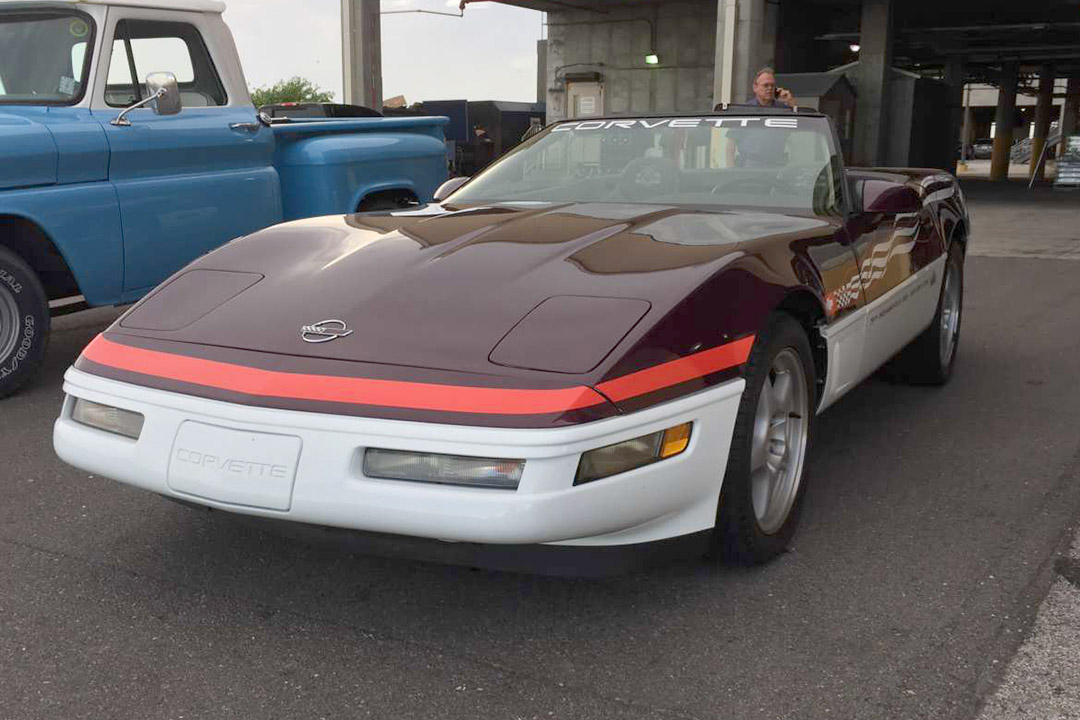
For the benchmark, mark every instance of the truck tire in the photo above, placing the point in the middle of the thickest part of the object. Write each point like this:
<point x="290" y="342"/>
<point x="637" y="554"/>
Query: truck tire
<point x="764" y="482"/>
<point x="24" y="322"/>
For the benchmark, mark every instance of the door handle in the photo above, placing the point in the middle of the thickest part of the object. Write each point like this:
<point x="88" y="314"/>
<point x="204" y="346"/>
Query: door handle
<point x="249" y="127"/>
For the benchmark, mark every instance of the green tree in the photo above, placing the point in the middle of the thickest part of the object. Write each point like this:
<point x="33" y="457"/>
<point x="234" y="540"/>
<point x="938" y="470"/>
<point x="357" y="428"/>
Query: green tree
<point x="295" y="89"/>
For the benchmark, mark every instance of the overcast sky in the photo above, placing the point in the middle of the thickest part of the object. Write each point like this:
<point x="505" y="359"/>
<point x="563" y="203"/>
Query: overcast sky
<point x="490" y="54"/>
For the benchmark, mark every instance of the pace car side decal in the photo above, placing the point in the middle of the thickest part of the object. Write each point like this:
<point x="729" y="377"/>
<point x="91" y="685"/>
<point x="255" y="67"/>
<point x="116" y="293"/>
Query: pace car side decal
<point x="874" y="266"/>
<point x="263" y="383"/>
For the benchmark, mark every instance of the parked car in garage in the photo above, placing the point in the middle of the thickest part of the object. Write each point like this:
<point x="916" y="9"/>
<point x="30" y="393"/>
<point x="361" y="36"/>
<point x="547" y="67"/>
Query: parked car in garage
<point x="108" y="184"/>
<point x="982" y="149"/>
<point x="614" y="340"/>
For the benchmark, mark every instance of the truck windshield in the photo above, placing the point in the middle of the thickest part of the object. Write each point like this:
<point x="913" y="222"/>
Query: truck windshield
<point x="785" y="162"/>
<point x="43" y="57"/>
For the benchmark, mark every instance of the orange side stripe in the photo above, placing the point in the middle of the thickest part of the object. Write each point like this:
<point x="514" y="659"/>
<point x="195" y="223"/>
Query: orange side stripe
<point x="325" y="388"/>
<point x="691" y="367"/>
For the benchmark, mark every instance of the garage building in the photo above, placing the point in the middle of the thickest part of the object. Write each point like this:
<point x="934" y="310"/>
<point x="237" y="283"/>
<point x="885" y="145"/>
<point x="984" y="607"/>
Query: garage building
<point x="908" y="62"/>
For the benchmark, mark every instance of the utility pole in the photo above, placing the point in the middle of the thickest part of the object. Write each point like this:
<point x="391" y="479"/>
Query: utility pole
<point x="361" y="53"/>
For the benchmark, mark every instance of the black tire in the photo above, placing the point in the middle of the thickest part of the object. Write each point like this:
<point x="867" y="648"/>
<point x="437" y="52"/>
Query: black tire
<point x="922" y="362"/>
<point x="739" y="537"/>
<point x="387" y="200"/>
<point x="24" y="322"/>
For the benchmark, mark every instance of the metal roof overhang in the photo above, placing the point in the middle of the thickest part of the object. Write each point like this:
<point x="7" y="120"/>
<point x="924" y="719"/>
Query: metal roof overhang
<point x="213" y="6"/>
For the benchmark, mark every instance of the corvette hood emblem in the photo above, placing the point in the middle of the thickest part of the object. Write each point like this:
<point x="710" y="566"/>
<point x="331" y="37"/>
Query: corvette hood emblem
<point x="325" y="331"/>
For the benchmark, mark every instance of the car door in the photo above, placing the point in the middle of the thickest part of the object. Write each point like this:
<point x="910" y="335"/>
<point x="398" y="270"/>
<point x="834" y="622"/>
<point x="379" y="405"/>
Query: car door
<point x="190" y="182"/>
<point x="899" y="278"/>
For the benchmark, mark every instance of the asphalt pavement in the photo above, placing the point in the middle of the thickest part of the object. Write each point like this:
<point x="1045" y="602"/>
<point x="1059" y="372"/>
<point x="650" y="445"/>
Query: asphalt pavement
<point x="931" y="536"/>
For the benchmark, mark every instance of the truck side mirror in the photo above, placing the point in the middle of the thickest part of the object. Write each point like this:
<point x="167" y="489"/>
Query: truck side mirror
<point x="163" y="85"/>
<point x="448" y="187"/>
<point x="163" y="94"/>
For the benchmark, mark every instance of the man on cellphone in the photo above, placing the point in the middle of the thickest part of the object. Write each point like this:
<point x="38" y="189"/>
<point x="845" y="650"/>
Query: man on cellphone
<point x="766" y="94"/>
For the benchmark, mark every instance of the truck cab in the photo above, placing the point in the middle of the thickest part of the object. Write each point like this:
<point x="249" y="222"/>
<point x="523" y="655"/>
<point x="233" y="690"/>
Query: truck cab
<point x="110" y="183"/>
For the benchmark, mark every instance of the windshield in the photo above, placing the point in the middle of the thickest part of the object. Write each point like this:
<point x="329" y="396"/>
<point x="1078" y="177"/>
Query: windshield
<point x="778" y="162"/>
<point x="43" y="57"/>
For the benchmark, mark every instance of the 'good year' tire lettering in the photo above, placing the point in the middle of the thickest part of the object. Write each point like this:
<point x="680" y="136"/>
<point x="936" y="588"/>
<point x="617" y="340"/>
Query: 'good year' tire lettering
<point x="9" y="280"/>
<point x="29" y="331"/>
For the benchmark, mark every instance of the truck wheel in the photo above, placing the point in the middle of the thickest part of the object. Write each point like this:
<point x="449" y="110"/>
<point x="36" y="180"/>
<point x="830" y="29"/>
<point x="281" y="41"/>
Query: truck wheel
<point x="763" y="485"/>
<point x="24" y="322"/>
<point x="930" y="357"/>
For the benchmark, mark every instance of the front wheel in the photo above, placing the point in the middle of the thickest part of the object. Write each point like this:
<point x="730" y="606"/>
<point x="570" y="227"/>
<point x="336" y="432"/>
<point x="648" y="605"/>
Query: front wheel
<point x="764" y="483"/>
<point x="24" y="322"/>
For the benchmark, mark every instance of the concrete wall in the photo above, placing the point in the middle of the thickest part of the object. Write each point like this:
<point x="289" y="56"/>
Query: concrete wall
<point x="686" y="44"/>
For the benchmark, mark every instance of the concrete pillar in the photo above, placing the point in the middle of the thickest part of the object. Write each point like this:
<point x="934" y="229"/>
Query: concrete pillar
<point x="1006" y="116"/>
<point x="745" y="41"/>
<point x="874" y="74"/>
<point x="954" y="78"/>
<point x="1069" y="111"/>
<point x="969" y="113"/>
<point x="1043" y="111"/>
<point x="770" y="30"/>
<point x="541" y="71"/>
<point x="361" y="52"/>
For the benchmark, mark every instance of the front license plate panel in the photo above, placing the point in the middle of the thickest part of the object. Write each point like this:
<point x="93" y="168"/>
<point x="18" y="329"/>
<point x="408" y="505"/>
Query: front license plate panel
<point x="234" y="466"/>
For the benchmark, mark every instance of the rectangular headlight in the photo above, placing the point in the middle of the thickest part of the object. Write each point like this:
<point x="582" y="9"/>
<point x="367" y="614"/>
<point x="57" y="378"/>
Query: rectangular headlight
<point x="446" y="469"/>
<point x="631" y="454"/>
<point x="108" y="418"/>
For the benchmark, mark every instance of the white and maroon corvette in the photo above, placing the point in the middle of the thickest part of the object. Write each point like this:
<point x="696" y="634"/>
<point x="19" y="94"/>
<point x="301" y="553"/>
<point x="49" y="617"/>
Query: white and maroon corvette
<point x="617" y="338"/>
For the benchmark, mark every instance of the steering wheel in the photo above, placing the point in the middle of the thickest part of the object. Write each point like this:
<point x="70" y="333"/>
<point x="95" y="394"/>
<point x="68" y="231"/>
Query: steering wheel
<point x="648" y="177"/>
<point x="756" y="183"/>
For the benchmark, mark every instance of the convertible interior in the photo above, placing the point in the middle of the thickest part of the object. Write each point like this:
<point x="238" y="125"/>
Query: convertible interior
<point x="705" y="166"/>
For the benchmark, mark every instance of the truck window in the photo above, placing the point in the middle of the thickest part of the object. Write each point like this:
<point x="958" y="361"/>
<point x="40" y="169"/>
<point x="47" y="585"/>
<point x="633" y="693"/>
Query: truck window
<point x="145" y="46"/>
<point x="43" y="58"/>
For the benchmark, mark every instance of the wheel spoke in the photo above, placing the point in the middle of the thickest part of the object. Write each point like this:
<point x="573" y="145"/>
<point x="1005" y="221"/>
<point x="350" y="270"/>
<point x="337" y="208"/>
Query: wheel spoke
<point x="759" y="448"/>
<point x="767" y="399"/>
<point x="761" y="490"/>
<point x="782" y="394"/>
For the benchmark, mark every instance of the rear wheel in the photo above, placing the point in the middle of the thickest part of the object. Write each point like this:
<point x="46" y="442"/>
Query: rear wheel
<point x="763" y="486"/>
<point x="24" y="322"/>
<point x="930" y="357"/>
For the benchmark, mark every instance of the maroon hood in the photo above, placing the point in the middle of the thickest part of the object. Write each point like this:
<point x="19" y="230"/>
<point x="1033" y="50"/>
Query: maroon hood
<point x="437" y="289"/>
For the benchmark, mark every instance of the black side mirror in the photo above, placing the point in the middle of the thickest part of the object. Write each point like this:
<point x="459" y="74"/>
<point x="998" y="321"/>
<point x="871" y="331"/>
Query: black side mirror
<point x="448" y="188"/>
<point x="882" y="196"/>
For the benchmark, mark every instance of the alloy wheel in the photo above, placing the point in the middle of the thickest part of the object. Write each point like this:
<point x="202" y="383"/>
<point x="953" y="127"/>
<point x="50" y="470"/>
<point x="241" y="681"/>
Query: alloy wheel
<point x="778" y="449"/>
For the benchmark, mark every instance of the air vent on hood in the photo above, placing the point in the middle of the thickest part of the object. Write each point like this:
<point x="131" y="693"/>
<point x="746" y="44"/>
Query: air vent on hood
<point x="187" y="298"/>
<point x="569" y="333"/>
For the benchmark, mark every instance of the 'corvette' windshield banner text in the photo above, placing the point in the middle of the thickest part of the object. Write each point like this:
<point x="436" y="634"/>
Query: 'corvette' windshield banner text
<point x="784" y="123"/>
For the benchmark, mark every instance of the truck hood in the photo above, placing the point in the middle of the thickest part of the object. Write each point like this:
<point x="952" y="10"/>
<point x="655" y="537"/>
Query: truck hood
<point x="480" y="290"/>
<point x="29" y="153"/>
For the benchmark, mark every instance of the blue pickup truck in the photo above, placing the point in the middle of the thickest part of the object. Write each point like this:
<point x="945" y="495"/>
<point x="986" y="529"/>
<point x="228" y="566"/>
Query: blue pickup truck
<point x="129" y="146"/>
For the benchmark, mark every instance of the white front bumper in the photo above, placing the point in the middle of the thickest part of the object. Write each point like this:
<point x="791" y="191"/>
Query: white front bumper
<point x="667" y="499"/>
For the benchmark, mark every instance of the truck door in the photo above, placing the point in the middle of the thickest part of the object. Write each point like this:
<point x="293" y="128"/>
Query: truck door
<point x="190" y="182"/>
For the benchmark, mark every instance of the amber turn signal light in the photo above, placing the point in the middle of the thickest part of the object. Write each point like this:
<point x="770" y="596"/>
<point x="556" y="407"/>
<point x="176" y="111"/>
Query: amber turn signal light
<point x="632" y="454"/>
<point x="675" y="440"/>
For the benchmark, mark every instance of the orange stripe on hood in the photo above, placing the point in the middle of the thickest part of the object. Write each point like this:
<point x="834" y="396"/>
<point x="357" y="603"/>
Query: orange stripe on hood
<point x="410" y="395"/>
